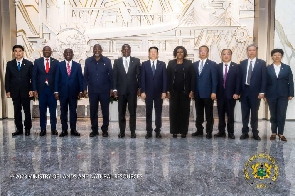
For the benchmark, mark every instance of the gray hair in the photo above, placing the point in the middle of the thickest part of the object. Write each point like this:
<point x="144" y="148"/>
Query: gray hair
<point x="252" y="45"/>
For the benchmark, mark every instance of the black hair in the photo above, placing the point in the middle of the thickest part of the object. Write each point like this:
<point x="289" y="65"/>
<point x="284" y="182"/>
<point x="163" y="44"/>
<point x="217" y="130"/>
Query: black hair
<point x="179" y="47"/>
<point x="277" y="50"/>
<point x="204" y="46"/>
<point x="154" y="47"/>
<point x="18" y="46"/>
<point x="231" y="52"/>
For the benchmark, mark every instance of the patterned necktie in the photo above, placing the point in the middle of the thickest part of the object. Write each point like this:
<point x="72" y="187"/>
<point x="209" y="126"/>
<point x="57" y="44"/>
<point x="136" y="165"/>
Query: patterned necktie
<point x="153" y="68"/>
<point x="249" y="73"/>
<point x="47" y="66"/>
<point x="225" y="75"/>
<point x="201" y="67"/>
<point x="18" y="66"/>
<point x="126" y="65"/>
<point x="68" y="69"/>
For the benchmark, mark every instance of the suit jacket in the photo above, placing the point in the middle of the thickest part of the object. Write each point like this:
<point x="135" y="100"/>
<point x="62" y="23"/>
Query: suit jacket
<point x="153" y="85"/>
<point x="258" y="78"/>
<point x="98" y="75"/>
<point x="68" y="85"/>
<point x="18" y="83"/>
<point x="233" y="81"/>
<point x="39" y="74"/>
<point x="281" y="86"/>
<point x="189" y="82"/>
<point x="126" y="83"/>
<point x="206" y="83"/>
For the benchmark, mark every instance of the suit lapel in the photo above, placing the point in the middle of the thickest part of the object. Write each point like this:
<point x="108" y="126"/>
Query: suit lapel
<point x="230" y="69"/>
<point x="272" y="69"/>
<point x="131" y="63"/>
<point x="73" y="69"/>
<point x="64" y="67"/>
<point x="255" y="67"/>
<point x="204" y="67"/>
<point x="23" y="65"/>
<point x="42" y="67"/>
<point x="51" y="65"/>
<point x="157" y="68"/>
<point x="197" y="67"/>
<point x="281" y="70"/>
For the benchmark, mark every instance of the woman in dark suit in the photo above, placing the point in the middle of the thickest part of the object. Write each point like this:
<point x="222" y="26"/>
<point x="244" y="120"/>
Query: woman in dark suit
<point x="181" y="83"/>
<point x="280" y="89"/>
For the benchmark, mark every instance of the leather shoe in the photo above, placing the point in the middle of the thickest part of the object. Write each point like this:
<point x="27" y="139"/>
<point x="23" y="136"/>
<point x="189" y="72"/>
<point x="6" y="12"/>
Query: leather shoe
<point x="75" y="133"/>
<point x="43" y="132"/>
<point x="121" y="135"/>
<point x="93" y="134"/>
<point x="105" y="134"/>
<point x="63" y="133"/>
<point x="183" y="136"/>
<point x="208" y="135"/>
<point x="133" y="135"/>
<point x="256" y="137"/>
<point x="54" y="132"/>
<point x="27" y="132"/>
<point x="197" y="134"/>
<point x="231" y="136"/>
<point x="17" y="132"/>
<point x="174" y="135"/>
<point x="220" y="134"/>
<point x="148" y="135"/>
<point x="158" y="135"/>
<point x="244" y="136"/>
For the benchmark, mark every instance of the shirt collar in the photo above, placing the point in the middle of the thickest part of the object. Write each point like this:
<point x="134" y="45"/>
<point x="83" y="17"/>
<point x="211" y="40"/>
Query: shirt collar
<point x="155" y="62"/>
<point x="71" y="61"/>
<point x="21" y="61"/>
<point x="204" y="61"/>
<point x="277" y="65"/>
<point x="253" y="60"/>
<point x="100" y="59"/>
<point x="227" y="63"/>
<point x="47" y="58"/>
<point x="128" y="58"/>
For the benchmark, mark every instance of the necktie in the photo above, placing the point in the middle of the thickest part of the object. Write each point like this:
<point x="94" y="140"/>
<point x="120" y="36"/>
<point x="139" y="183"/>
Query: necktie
<point x="18" y="66"/>
<point x="201" y="67"/>
<point x="126" y="65"/>
<point x="153" y="68"/>
<point x="68" y="69"/>
<point x="249" y="73"/>
<point x="47" y="66"/>
<point x="225" y="75"/>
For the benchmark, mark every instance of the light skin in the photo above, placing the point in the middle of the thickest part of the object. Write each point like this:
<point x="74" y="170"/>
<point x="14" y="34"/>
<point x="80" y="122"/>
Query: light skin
<point x="18" y="54"/>
<point x="97" y="51"/>
<point x="153" y="55"/>
<point x="226" y="56"/>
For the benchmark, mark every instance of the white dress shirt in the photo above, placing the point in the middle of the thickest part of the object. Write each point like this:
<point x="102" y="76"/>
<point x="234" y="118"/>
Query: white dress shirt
<point x="155" y="63"/>
<point x="253" y="64"/>
<point x="204" y="62"/>
<point x="128" y="62"/>
<point x="46" y="61"/>
<point x="21" y="61"/>
<point x="277" y="69"/>
<point x="228" y="64"/>
<point x="70" y="62"/>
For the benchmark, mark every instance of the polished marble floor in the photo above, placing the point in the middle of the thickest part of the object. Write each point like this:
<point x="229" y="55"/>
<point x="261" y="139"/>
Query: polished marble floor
<point x="167" y="166"/>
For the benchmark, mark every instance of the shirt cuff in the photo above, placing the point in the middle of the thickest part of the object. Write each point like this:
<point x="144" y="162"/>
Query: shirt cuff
<point x="261" y="93"/>
<point x="115" y="90"/>
<point x="55" y="92"/>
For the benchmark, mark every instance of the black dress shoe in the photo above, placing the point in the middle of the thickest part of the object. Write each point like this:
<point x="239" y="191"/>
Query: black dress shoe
<point x="43" y="132"/>
<point x="27" y="132"/>
<point x="63" y="133"/>
<point x="158" y="135"/>
<point x="54" y="132"/>
<point x="75" y="133"/>
<point x="17" y="132"/>
<point x="105" y="134"/>
<point x="121" y="135"/>
<point x="256" y="137"/>
<point x="220" y="134"/>
<point x="231" y="136"/>
<point x="93" y="134"/>
<point x="244" y="136"/>
<point x="174" y="135"/>
<point x="148" y="135"/>
<point x="183" y="135"/>
<point x="208" y="135"/>
<point x="197" y="133"/>
<point x="133" y="135"/>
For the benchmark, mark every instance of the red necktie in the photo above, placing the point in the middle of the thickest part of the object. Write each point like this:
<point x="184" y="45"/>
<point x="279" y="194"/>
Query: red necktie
<point x="47" y="68"/>
<point x="68" y="69"/>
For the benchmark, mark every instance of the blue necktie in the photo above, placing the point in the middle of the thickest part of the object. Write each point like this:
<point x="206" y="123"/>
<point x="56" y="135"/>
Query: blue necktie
<point x="18" y="66"/>
<point x="153" y="68"/>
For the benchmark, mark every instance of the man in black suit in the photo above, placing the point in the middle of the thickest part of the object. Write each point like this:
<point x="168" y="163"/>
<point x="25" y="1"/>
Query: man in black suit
<point x="253" y="87"/>
<point x="126" y="86"/>
<point x="153" y="89"/>
<point x="228" y="91"/>
<point x="43" y="80"/>
<point x="18" y="87"/>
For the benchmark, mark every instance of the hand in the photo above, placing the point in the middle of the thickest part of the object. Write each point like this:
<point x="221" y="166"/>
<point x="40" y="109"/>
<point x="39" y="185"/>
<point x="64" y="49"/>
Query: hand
<point x="56" y="96"/>
<point x="143" y="95"/>
<point x="290" y="98"/>
<point x="8" y="94"/>
<point x="138" y="92"/>
<point x="236" y="96"/>
<point x="115" y="94"/>
<point x="111" y="93"/>
<point x="85" y="94"/>
<point x="264" y="99"/>
<point x="80" y="95"/>
<point x="213" y="96"/>
<point x="260" y="96"/>
<point x="31" y="94"/>
<point x="163" y="96"/>
<point x="168" y="95"/>
<point x="35" y="94"/>
<point x="191" y="95"/>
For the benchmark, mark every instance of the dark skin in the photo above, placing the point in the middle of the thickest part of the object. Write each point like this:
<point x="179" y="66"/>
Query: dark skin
<point x="46" y="53"/>
<point x="179" y="58"/>
<point x="126" y="50"/>
<point x="68" y="55"/>
<point x="97" y="50"/>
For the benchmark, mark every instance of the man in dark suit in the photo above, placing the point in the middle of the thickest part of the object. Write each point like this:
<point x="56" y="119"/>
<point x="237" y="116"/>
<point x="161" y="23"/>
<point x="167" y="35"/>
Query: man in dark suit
<point x="68" y="87"/>
<point x="228" y="91"/>
<point x="126" y="72"/>
<point x="254" y="79"/>
<point x="18" y="87"/>
<point x="205" y="93"/>
<point x="43" y="81"/>
<point x="153" y="89"/>
<point x="98" y="77"/>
